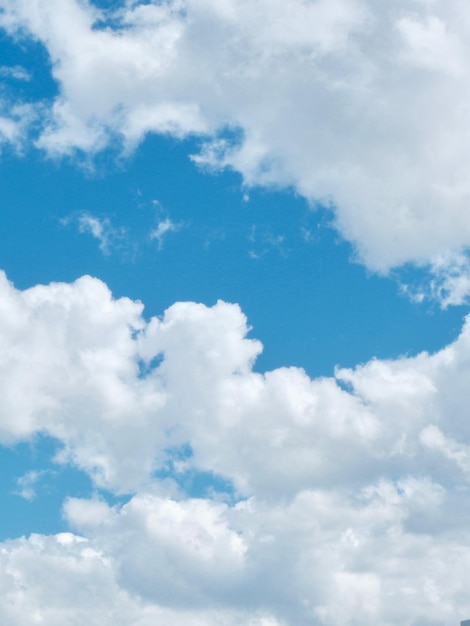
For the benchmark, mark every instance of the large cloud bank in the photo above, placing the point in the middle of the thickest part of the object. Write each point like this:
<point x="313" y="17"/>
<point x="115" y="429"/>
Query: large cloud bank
<point x="356" y="102"/>
<point x="329" y="501"/>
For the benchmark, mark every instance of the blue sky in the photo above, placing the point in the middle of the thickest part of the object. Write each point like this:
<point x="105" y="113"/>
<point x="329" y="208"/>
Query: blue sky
<point x="234" y="337"/>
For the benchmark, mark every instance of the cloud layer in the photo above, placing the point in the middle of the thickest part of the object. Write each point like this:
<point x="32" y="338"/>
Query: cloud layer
<point x="353" y="102"/>
<point x="324" y="501"/>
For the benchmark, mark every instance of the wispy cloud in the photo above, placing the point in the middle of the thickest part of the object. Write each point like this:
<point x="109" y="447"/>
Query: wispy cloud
<point x="107" y="235"/>
<point x="27" y="484"/>
<point x="264" y="242"/>
<point x="163" y="228"/>
<point x="17" y="72"/>
<point x="445" y="280"/>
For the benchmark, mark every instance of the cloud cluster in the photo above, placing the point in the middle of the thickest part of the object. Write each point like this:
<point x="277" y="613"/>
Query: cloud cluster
<point x="344" y="499"/>
<point x="353" y="102"/>
<point x="65" y="580"/>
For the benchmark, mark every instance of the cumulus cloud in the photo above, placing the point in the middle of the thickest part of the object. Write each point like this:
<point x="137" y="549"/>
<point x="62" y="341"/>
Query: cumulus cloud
<point x="359" y="105"/>
<point x="345" y="499"/>
<point x="65" y="580"/>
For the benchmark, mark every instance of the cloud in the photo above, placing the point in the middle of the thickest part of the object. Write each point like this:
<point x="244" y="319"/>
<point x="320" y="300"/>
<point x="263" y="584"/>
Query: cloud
<point x="449" y="283"/>
<point x="102" y="230"/>
<point x="344" y="499"/>
<point x="17" y="72"/>
<point x="263" y="243"/>
<point x="63" y="579"/>
<point x="16" y="121"/>
<point x="162" y="229"/>
<point x="27" y="483"/>
<point x="357" y="105"/>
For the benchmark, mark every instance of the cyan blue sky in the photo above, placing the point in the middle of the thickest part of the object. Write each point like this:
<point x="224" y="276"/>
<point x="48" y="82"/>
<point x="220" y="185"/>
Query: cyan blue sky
<point x="266" y="423"/>
<point x="270" y="251"/>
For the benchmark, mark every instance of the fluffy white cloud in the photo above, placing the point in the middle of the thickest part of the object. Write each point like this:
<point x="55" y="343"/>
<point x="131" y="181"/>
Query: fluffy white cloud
<point x="64" y="580"/>
<point x="355" y="102"/>
<point x="351" y="494"/>
<point x="322" y="558"/>
<point x="127" y="396"/>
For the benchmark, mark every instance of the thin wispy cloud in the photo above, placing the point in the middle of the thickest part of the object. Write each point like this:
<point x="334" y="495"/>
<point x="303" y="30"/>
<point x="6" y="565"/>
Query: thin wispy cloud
<point x="27" y="485"/>
<point x="17" y="72"/>
<point x="108" y="237"/>
<point x="163" y="228"/>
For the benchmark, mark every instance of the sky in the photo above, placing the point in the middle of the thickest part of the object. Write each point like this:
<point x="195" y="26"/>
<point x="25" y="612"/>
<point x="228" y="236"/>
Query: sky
<point x="234" y="289"/>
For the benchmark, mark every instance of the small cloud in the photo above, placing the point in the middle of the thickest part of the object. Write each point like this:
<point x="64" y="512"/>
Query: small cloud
<point x="16" y="121"/>
<point x="102" y="230"/>
<point x="28" y="482"/>
<point x="445" y="280"/>
<point x="264" y="243"/>
<point x="162" y="229"/>
<point x="306" y="234"/>
<point x="17" y="72"/>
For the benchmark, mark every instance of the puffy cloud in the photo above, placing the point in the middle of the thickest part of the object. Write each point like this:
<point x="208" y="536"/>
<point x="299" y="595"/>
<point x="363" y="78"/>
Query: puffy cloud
<point x="321" y="558"/>
<point x="64" y="580"/>
<point x="350" y="494"/>
<point x="178" y="553"/>
<point x="352" y="102"/>
<point x="72" y="348"/>
<point x="129" y="397"/>
<point x="371" y="557"/>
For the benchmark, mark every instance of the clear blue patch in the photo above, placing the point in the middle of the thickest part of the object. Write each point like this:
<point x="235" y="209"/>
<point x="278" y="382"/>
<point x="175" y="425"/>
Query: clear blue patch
<point x="345" y="385"/>
<point x="192" y="482"/>
<point x="42" y="512"/>
<point x="147" y="367"/>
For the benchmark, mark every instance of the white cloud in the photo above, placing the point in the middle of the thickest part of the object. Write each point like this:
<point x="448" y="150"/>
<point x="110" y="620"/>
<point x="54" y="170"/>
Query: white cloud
<point x="162" y="229"/>
<point x="27" y="484"/>
<point x="15" y="123"/>
<point x="64" y="580"/>
<point x="351" y="493"/>
<point x="353" y="102"/>
<point x="450" y="282"/>
<point x="16" y="72"/>
<point x="108" y="236"/>
<point x="263" y="243"/>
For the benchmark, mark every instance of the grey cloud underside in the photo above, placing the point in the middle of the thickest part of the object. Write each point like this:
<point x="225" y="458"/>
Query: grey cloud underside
<point x="349" y="506"/>
<point x="357" y="103"/>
